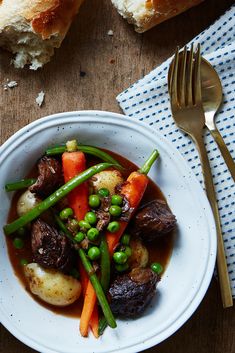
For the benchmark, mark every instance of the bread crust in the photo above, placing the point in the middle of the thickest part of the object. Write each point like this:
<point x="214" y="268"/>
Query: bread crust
<point x="145" y="14"/>
<point x="47" y="17"/>
<point x="165" y="9"/>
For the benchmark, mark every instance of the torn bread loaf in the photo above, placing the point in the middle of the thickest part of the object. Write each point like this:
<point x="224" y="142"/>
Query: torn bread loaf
<point x="145" y="14"/>
<point x="31" y="29"/>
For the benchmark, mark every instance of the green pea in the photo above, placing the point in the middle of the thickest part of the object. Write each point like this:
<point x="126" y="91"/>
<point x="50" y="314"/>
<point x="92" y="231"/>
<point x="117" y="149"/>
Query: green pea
<point x="18" y="243"/>
<point x="113" y="227"/>
<point x="74" y="273"/>
<point x="120" y="257"/>
<point x="91" y="218"/>
<point x="23" y="262"/>
<point x="115" y="210"/>
<point x="92" y="234"/>
<point x="66" y="213"/>
<point x="73" y="225"/>
<point x="21" y="232"/>
<point x="116" y="200"/>
<point x="84" y="225"/>
<point x="125" y="239"/>
<point x="103" y="192"/>
<point x="128" y="251"/>
<point x="80" y="236"/>
<point x="94" y="253"/>
<point x="122" y="268"/>
<point x="157" y="268"/>
<point x="94" y="201"/>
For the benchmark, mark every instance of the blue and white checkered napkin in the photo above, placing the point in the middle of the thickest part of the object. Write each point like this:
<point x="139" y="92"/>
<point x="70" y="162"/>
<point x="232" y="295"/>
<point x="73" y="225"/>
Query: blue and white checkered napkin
<point x="147" y="100"/>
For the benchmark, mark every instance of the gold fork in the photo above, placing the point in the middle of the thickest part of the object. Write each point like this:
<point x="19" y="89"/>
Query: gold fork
<point x="184" y="83"/>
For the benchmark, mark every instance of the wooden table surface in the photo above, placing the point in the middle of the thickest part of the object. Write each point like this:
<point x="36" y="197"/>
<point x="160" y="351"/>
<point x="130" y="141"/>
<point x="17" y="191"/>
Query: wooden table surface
<point x="111" y="64"/>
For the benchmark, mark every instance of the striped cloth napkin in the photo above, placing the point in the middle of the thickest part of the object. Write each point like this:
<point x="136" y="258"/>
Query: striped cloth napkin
<point x="148" y="101"/>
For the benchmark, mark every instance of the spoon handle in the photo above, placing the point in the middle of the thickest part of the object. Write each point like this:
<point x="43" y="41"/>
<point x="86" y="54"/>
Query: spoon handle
<point x="224" y="150"/>
<point x="224" y="281"/>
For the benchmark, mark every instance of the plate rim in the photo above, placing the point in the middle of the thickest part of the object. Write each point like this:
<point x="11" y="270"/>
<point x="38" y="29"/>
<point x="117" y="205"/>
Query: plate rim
<point x="207" y="210"/>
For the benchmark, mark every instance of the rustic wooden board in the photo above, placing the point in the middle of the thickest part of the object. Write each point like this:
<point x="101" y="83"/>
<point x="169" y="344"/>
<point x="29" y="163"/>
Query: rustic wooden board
<point x="111" y="64"/>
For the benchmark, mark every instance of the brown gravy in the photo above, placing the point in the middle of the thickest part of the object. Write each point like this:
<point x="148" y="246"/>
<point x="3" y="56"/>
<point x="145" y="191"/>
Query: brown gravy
<point x="160" y="252"/>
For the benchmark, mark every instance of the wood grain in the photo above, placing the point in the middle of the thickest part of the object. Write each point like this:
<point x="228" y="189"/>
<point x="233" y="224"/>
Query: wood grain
<point x="111" y="64"/>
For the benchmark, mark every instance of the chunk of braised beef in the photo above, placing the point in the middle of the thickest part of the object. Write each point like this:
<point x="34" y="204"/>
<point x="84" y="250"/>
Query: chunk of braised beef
<point x="153" y="220"/>
<point x="131" y="293"/>
<point x="50" y="176"/>
<point x="51" y="249"/>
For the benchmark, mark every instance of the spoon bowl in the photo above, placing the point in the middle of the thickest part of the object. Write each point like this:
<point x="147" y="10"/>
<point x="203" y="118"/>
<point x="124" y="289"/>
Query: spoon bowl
<point x="212" y="93"/>
<point x="212" y="96"/>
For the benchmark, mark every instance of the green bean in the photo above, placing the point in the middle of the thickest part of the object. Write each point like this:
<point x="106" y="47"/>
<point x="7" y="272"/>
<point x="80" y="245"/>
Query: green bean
<point x="104" y="264"/>
<point x="94" y="151"/>
<point x="148" y="164"/>
<point x="54" y="198"/>
<point x="56" y="150"/>
<point x="98" y="289"/>
<point x="18" y="185"/>
<point x="102" y="325"/>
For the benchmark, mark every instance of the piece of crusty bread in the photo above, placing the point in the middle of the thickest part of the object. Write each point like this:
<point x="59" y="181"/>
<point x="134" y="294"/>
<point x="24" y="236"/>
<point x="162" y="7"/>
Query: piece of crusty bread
<point x="145" y="14"/>
<point x="31" y="29"/>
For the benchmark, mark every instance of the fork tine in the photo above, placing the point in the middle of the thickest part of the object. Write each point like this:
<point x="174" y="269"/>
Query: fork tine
<point x="190" y="78"/>
<point x="174" y="78"/>
<point x="183" y="78"/>
<point x="197" y="76"/>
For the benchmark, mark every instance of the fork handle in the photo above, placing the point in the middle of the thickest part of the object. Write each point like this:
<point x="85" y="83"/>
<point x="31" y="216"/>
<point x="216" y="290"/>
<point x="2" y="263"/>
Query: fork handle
<point x="225" y="287"/>
<point x="224" y="150"/>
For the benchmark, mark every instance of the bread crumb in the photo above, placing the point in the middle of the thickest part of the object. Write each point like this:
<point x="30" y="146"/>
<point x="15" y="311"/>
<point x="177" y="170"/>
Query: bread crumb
<point x="110" y="32"/>
<point x="40" y="98"/>
<point x="9" y="84"/>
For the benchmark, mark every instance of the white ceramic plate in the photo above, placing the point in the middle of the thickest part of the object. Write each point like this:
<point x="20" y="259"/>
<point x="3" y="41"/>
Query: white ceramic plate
<point x="191" y="266"/>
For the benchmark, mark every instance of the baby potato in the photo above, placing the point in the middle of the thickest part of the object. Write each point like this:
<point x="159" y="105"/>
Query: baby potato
<point x="51" y="286"/>
<point x="139" y="256"/>
<point x="26" y="202"/>
<point x="108" y="179"/>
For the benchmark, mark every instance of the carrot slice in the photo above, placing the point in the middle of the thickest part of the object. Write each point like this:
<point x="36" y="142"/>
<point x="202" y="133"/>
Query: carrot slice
<point x="87" y="310"/>
<point x="73" y="164"/>
<point x="133" y="189"/>
<point x="94" y="322"/>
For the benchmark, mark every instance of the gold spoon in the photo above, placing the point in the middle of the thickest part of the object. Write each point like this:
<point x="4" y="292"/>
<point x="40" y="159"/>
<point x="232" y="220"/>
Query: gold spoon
<point x="212" y="96"/>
